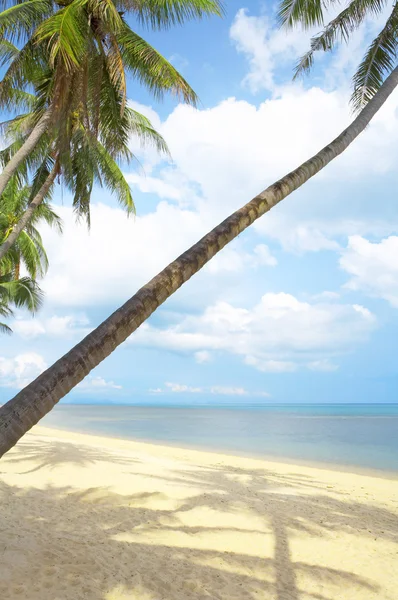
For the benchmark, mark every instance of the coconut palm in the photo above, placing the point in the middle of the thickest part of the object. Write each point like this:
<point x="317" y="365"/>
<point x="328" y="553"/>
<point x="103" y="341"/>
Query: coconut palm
<point x="28" y="251"/>
<point x="65" y="36"/>
<point x="85" y="149"/>
<point x="39" y="397"/>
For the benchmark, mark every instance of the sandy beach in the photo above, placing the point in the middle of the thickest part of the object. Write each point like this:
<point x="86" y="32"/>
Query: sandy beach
<point x="85" y="517"/>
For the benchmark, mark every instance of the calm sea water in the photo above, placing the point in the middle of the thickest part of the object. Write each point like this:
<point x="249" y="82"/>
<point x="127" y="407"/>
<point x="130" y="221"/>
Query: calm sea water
<point x="352" y="435"/>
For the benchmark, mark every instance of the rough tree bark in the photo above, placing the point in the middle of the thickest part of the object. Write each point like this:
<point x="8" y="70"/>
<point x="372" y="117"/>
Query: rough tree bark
<point x="24" y="150"/>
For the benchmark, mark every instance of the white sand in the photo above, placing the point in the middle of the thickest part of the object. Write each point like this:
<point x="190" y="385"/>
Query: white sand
<point x="103" y="519"/>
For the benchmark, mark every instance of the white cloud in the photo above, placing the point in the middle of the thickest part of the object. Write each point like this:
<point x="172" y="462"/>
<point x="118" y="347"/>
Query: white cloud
<point x="299" y="234"/>
<point x="179" y="388"/>
<point x="373" y="267"/>
<point x="217" y="390"/>
<point x="92" y="383"/>
<point x="228" y="391"/>
<point x="19" y="371"/>
<point x="266" y="47"/>
<point x="271" y="366"/>
<point x="263" y="256"/>
<point x="326" y="295"/>
<point x="235" y="258"/>
<point x="279" y="334"/>
<point x="324" y="365"/>
<point x="203" y="356"/>
<point x="136" y="250"/>
<point x="57" y="326"/>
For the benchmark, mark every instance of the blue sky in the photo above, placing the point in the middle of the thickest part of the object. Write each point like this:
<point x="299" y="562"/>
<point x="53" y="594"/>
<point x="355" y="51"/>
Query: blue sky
<point x="301" y="308"/>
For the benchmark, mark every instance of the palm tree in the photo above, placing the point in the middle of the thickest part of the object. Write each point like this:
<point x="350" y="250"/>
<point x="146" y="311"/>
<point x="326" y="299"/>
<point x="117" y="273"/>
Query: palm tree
<point x="39" y="397"/>
<point x="28" y="250"/>
<point x="33" y="402"/>
<point x="89" y="154"/>
<point x="63" y="39"/>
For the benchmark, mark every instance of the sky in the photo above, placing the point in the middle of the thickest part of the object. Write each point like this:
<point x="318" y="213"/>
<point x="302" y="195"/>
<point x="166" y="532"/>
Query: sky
<point x="303" y="307"/>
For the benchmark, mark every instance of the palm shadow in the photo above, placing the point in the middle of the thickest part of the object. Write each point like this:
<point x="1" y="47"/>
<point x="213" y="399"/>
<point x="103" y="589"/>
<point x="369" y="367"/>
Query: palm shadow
<point x="51" y="454"/>
<point x="99" y="545"/>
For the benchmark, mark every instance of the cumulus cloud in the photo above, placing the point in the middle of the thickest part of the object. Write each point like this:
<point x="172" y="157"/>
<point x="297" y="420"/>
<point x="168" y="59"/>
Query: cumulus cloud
<point x="19" y="371"/>
<point x="228" y="391"/>
<point x="203" y="356"/>
<point x="271" y="366"/>
<point x="57" y="326"/>
<point x="216" y="390"/>
<point x="324" y="365"/>
<point x="98" y="384"/>
<point x="279" y="334"/>
<point x="300" y="234"/>
<point x="179" y="388"/>
<point x="266" y="47"/>
<point x="85" y="271"/>
<point x="373" y="267"/>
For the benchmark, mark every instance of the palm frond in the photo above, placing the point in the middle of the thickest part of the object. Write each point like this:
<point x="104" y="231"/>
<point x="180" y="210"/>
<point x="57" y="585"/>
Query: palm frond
<point x="111" y="176"/>
<point x="379" y="60"/>
<point x="116" y="71"/>
<point x="305" y="12"/>
<point x="66" y="33"/>
<point x="8" y="51"/>
<point x="23" y="293"/>
<point x="45" y="212"/>
<point x="151" y="69"/>
<point x="32" y="253"/>
<point x="5" y="329"/>
<point x="142" y="127"/>
<point x="114" y="179"/>
<point x="161" y="14"/>
<point x="341" y="27"/>
<point x="20" y="20"/>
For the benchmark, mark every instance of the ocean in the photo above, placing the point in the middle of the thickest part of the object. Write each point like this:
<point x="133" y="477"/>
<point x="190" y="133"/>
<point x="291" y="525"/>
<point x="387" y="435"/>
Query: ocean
<point x="350" y="435"/>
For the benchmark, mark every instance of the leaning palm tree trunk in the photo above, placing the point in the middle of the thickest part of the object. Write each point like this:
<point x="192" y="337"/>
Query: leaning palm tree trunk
<point x="24" y="151"/>
<point x="39" y="397"/>
<point x="29" y="212"/>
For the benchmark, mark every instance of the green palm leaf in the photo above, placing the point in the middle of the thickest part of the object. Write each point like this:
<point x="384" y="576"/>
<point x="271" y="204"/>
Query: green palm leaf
<point x="67" y="34"/>
<point x="378" y="61"/>
<point x="151" y="68"/>
<point x="161" y="14"/>
<point x="305" y="12"/>
<point x="339" y="28"/>
<point x="23" y="293"/>
<point x="20" y="21"/>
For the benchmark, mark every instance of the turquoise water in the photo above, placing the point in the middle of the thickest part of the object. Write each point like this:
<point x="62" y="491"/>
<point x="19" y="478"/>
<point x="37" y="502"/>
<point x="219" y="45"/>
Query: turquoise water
<point x="351" y="435"/>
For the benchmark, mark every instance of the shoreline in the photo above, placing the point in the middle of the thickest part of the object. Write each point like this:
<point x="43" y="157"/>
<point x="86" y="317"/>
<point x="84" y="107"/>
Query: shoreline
<point x="282" y="460"/>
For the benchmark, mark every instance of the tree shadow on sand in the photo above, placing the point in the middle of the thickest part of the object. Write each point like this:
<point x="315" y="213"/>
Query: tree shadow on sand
<point x="97" y="545"/>
<point x="51" y="454"/>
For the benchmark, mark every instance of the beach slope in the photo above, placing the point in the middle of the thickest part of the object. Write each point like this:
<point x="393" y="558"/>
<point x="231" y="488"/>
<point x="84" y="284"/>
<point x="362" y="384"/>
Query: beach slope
<point x="85" y="517"/>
